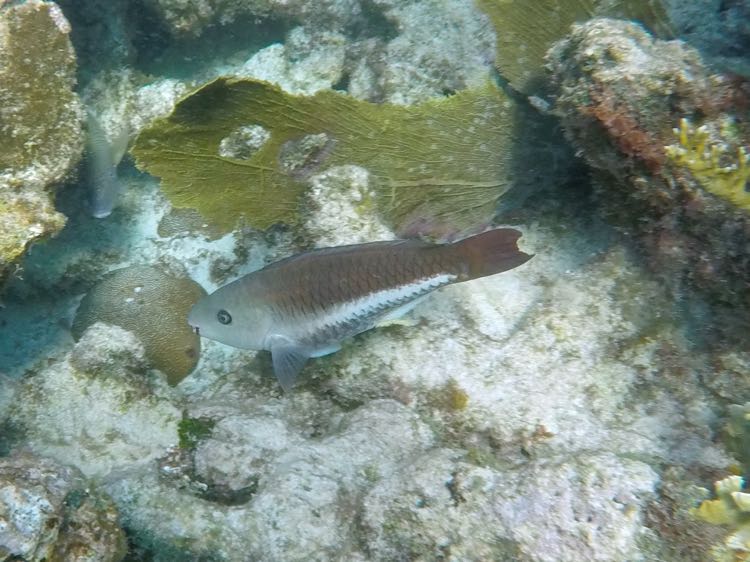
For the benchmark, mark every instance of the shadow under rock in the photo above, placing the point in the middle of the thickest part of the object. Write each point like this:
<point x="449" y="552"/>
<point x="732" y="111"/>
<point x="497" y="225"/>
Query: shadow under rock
<point x="41" y="298"/>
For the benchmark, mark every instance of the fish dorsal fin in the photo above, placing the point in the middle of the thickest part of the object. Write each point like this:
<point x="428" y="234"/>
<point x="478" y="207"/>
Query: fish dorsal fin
<point x="288" y="360"/>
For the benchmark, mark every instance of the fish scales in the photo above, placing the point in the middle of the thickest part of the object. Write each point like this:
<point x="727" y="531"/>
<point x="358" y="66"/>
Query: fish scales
<point x="318" y="301"/>
<point x="305" y="305"/>
<point x="321" y="279"/>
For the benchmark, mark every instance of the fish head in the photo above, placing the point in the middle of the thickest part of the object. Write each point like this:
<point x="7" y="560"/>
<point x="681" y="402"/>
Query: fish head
<point x="230" y="317"/>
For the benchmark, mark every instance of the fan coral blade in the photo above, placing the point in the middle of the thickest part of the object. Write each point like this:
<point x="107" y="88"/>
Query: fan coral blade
<point x="241" y="150"/>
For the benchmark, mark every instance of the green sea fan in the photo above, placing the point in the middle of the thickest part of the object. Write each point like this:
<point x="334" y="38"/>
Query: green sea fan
<point x="526" y="29"/>
<point x="240" y="150"/>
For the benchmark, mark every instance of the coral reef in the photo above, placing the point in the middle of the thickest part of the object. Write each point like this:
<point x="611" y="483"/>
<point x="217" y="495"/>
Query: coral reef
<point x="410" y="439"/>
<point x="50" y="511"/>
<point x="40" y="123"/>
<point x="153" y="305"/>
<point x="562" y="412"/>
<point x="437" y="168"/>
<point x="620" y="93"/>
<point x="418" y="496"/>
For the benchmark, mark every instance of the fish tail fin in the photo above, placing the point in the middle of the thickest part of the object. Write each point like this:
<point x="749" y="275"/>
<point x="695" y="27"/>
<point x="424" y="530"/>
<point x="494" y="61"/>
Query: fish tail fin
<point x="491" y="252"/>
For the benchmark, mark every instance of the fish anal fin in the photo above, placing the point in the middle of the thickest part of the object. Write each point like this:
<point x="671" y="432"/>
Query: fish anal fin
<point x="397" y="316"/>
<point x="288" y="360"/>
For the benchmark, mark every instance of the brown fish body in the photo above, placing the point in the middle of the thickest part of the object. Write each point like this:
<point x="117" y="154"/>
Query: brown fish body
<point x="305" y="305"/>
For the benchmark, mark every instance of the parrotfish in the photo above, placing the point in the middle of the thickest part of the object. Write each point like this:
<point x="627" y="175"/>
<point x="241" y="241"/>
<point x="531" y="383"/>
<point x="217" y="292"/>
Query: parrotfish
<point x="304" y="306"/>
<point x="102" y="158"/>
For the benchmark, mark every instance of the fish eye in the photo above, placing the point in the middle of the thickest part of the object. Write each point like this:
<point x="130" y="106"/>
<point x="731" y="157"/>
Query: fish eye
<point x="224" y="317"/>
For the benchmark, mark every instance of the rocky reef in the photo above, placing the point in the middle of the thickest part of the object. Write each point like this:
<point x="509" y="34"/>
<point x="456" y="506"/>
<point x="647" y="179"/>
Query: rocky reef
<point x="40" y="124"/>
<point x="579" y="407"/>
<point x="664" y="135"/>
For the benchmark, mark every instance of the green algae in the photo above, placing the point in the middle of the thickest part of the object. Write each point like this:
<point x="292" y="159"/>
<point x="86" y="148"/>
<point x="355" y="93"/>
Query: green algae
<point x="449" y="398"/>
<point x="437" y="168"/>
<point x="194" y="430"/>
<point x="527" y="29"/>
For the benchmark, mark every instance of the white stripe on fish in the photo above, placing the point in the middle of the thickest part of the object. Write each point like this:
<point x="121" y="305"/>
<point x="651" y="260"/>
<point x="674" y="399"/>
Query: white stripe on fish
<point x="360" y="314"/>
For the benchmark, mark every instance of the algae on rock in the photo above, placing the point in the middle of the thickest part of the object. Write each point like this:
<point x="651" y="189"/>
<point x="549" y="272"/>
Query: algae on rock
<point x="40" y="122"/>
<point x="94" y="410"/>
<point x="437" y="168"/>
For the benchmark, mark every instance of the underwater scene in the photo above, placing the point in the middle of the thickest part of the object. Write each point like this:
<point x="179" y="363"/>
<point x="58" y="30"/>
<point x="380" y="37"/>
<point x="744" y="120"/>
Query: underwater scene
<point x="375" y="280"/>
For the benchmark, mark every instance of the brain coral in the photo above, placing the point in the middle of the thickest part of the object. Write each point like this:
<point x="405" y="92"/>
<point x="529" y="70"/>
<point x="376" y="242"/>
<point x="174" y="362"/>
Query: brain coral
<point x="153" y="305"/>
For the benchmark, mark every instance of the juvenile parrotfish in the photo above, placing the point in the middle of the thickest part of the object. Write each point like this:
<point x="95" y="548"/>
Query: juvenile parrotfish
<point x="102" y="158"/>
<point x="305" y="305"/>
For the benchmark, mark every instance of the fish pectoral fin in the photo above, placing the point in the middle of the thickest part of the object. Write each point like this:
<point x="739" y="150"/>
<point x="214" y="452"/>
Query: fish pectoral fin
<point x="288" y="360"/>
<point x="333" y="348"/>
